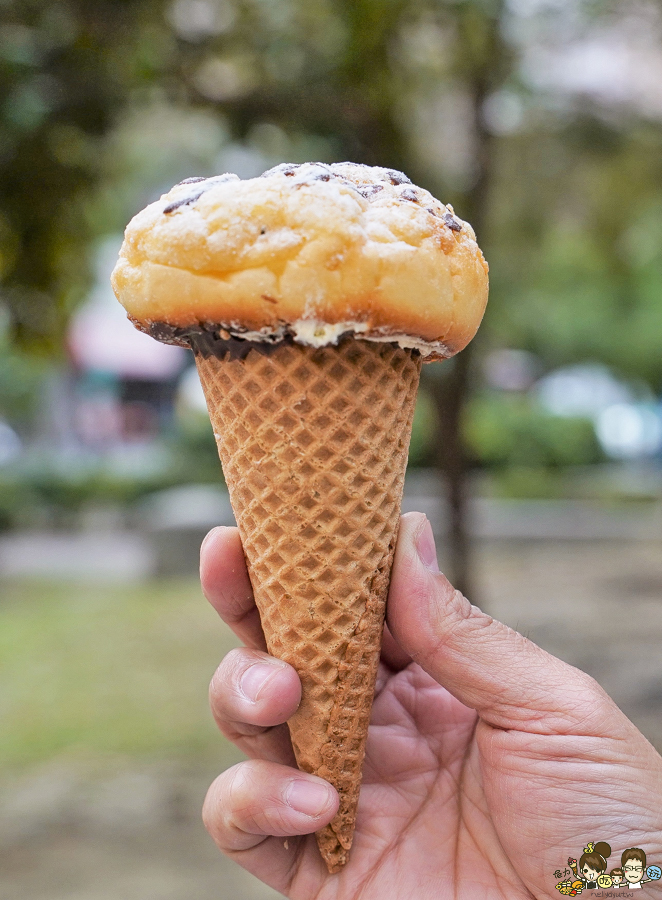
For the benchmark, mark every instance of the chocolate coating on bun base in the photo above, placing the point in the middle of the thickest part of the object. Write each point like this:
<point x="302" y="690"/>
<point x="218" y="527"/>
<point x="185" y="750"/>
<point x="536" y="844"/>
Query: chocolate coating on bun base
<point x="216" y="340"/>
<point x="207" y="341"/>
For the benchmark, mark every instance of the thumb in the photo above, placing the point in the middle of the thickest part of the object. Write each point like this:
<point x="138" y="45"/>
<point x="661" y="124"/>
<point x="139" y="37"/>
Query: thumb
<point x="507" y="679"/>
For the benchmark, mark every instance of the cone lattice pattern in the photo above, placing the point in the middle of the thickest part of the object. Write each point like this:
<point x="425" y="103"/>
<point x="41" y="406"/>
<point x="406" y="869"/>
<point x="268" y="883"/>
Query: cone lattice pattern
<point x="314" y="447"/>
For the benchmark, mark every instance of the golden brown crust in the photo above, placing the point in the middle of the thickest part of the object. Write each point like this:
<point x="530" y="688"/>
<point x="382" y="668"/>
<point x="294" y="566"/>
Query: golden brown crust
<point x="341" y="243"/>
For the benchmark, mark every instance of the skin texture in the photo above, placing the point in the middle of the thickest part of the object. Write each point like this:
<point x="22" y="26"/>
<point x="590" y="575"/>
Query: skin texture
<point x="488" y="760"/>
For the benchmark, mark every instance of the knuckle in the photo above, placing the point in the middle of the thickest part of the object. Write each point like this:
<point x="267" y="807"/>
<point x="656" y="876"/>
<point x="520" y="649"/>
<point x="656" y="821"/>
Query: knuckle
<point x="229" y="797"/>
<point x="249" y="800"/>
<point x="241" y="786"/>
<point x="593" y="699"/>
<point x="214" y="811"/>
<point x="244" y="806"/>
<point x="452" y="618"/>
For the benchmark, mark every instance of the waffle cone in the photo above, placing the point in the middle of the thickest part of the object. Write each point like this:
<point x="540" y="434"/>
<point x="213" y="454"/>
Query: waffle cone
<point x="314" y="444"/>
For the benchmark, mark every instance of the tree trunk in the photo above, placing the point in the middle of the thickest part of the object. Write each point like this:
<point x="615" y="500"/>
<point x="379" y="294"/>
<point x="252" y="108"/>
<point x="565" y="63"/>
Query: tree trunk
<point x="450" y="393"/>
<point x="451" y="390"/>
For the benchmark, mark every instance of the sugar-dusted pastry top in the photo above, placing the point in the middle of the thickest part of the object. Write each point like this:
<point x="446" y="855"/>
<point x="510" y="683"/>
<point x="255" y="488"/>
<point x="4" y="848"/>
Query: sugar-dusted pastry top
<point x="308" y="251"/>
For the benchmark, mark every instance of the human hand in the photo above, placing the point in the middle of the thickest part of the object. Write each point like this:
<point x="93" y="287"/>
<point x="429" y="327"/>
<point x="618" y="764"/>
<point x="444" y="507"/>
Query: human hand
<point x="488" y="760"/>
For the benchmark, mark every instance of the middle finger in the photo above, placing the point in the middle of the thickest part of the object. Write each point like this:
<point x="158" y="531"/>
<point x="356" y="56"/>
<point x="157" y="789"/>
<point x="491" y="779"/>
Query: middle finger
<point x="251" y="696"/>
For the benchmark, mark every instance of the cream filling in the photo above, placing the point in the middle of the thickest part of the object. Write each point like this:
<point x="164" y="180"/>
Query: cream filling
<point x="409" y="342"/>
<point x="315" y="333"/>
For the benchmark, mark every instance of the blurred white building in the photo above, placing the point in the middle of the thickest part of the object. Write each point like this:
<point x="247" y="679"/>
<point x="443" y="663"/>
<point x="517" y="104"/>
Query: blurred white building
<point x="125" y="380"/>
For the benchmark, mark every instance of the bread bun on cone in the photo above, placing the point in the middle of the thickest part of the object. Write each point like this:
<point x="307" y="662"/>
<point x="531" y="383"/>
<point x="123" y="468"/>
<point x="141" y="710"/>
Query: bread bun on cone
<point x="310" y="296"/>
<point x="312" y="251"/>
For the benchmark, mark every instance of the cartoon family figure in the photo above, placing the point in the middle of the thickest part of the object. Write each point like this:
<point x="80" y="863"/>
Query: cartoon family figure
<point x="591" y="873"/>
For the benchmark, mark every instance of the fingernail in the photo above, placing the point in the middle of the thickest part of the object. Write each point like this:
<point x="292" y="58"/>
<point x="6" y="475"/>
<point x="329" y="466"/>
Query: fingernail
<point x="255" y="678"/>
<point x="311" y="798"/>
<point x="208" y="536"/>
<point x="425" y="547"/>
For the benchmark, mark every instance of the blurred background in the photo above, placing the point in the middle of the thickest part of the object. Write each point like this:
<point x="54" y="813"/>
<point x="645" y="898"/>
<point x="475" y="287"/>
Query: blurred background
<point x="536" y="453"/>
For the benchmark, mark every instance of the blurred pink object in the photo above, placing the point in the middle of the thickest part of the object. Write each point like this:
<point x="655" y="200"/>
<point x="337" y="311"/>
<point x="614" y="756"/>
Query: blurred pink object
<point x="101" y="338"/>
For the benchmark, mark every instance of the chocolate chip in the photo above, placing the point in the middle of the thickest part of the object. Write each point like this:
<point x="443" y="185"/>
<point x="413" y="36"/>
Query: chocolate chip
<point x="452" y="222"/>
<point x="409" y="194"/>
<point x="192" y="180"/>
<point x="318" y="172"/>
<point x="209" y="183"/>
<point x="263" y="230"/>
<point x="183" y="201"/>
<point x="397" y="177"/>
<point x="269" y="298"/>
<point x="431" y="211"/>
<point x="369" y="190"/>
<point x="282" y="169"/>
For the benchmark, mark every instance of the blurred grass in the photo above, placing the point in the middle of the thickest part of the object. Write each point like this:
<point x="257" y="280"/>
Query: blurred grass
<point x="93" y="669"/>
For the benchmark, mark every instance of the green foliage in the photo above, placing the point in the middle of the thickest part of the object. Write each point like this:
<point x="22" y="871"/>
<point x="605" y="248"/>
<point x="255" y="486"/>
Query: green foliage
<point x="66" y="69"/>
<point x="16" y="503"/>
<point x="576" y="247"/>
<point x="528" y="482"/>
<point x="193" y="447"/>
<point x="423" y="430"/>
<point x="508" y="431"/>
<point x="21" y="376"/>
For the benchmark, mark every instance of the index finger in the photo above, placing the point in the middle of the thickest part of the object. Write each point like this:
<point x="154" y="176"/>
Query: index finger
<point x="225" y="583"/>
